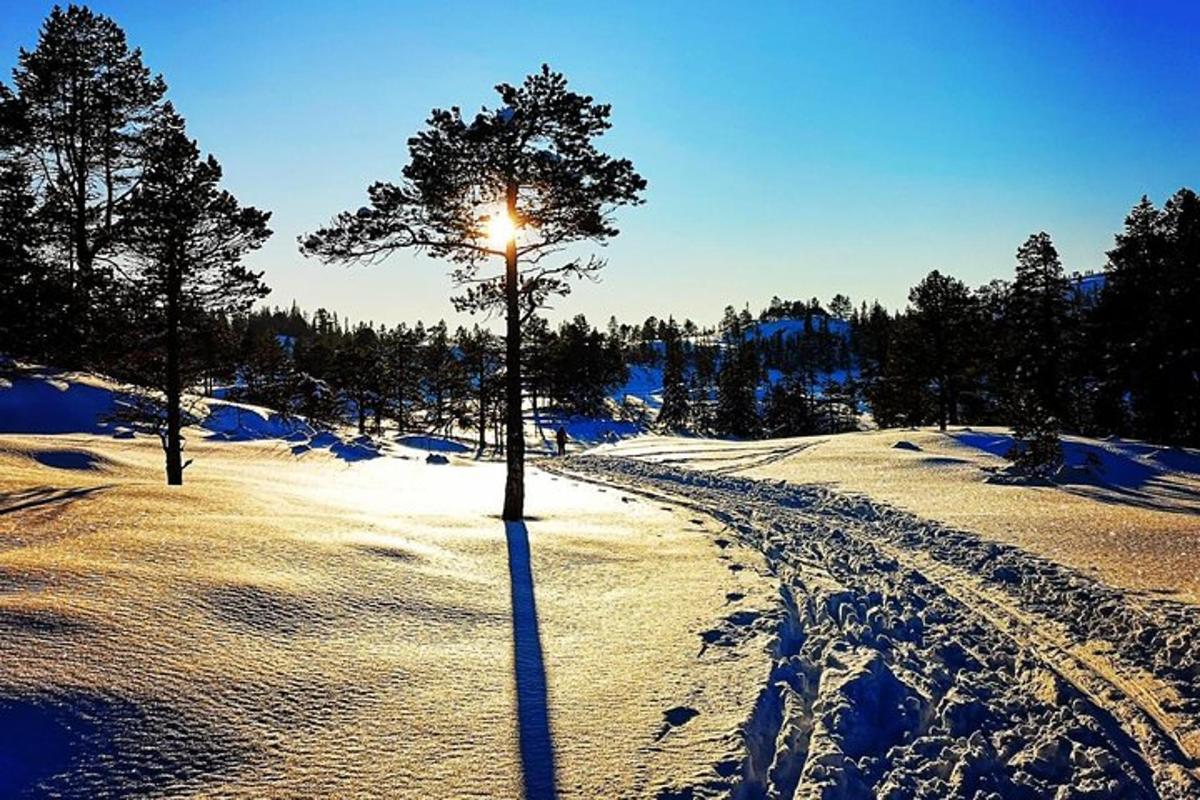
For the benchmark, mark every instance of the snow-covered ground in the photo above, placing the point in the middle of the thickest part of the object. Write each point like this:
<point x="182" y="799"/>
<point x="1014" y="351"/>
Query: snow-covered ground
<point x="918" y="659"/>
<point x="311" y="614"/>
<point x="301" y="626"/>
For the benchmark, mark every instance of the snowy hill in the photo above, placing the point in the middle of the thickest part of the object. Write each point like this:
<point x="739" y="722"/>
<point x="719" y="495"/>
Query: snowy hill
<point x="46" y="401"/>
<point x="796" y="327"/>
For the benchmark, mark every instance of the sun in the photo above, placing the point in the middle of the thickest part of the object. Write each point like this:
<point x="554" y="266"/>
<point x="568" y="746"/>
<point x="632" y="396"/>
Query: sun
<point x="500" y="229"/>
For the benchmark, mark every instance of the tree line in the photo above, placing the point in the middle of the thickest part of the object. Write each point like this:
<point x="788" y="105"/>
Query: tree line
<point x="1116" y="352"/>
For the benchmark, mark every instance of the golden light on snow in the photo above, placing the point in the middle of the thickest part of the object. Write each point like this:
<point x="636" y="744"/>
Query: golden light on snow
<point x="501" y="229"/>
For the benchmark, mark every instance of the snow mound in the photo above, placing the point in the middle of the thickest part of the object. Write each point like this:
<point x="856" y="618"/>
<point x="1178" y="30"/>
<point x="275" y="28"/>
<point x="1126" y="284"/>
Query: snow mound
<point x="645" y="385"/>
<point x="46" y="401"/>
<point x="433" y="444"/>
<point x="240" y="422"/>
<point x="1113" y="462"/>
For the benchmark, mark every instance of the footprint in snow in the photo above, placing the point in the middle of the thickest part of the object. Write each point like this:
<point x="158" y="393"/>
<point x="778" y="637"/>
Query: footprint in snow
<point x="676" y="717"/>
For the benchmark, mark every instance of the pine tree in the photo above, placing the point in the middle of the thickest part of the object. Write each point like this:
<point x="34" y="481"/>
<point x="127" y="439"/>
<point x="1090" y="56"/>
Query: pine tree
<point x="1148" y="315"/>
<point x="737" y="387"/>
<point x="483" y="358"/>
<point x="1037" y="321"/>
<point x="26" y="299"/>
<point x="441" y="377"/>
<point x="87" y="104"/>
<point x="187" y="237"/>
<point x="943" y="313"/>
<point x="359" y="373"/>
<point x="788" y="410"/>
<point x="401" y="372"/>
<point x="529" y="172"/>
<point x="676" y="410"/>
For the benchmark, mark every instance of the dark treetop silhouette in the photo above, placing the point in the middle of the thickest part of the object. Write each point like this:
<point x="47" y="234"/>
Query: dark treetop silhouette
<point x="530" y="172"/>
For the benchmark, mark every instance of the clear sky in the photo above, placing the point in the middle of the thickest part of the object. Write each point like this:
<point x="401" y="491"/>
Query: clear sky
<point x="791" y="149"/>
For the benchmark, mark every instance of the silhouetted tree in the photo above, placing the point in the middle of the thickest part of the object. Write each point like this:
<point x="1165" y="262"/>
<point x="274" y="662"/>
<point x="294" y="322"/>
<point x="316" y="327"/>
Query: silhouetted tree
<point x="530" y="166"/>
<point x="483" y="358"/>
<point x="675" y="411"/>
<point x="943" y="314"/>
<point x="26" y="299"/>
<point x="1037" y="319"/>
<point x="86" y="102"/>
<point x="1150" y="322"/>
<point x="188" y="237"/>
<point x="737" y="386"/>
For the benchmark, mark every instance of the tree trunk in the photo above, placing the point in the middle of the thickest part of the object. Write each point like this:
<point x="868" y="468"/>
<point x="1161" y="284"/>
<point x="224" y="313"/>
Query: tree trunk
<point x="942" y="407"/>
<point x="173" y="445"/>
<point x="514" y="485"/>
<point x="482" y="417"/>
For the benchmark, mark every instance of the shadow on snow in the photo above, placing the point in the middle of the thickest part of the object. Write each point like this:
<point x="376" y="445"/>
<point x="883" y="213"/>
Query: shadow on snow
<point x="533" y="718"/>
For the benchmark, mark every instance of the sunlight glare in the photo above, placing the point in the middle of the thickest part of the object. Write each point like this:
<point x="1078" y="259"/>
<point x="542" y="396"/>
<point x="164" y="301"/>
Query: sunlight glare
<point x="501" y="229"/>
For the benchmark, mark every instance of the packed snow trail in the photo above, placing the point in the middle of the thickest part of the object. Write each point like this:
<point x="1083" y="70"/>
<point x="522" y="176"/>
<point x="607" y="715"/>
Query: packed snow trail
<point x="917" y="661"/>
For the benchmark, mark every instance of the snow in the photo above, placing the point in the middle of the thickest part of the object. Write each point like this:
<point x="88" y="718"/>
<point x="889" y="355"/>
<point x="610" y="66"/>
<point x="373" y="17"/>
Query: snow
<point x="795" y="327"/>
<point x="645" y="386"/>
<point x="916" y="659"/>
<point x="43" y="401"/>
<point x="310" y="626"/>
<point x="48" y="401"/>
<point x="243" y="422"/>
<point x="1132" y="523"/>
<point x="839" y="616"/>
<point x="433" y="444"/>
<point x="1113" y="463"/>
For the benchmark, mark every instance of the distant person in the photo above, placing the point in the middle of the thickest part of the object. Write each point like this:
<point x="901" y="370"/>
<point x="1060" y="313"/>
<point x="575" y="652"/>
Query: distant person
<point x="560" y="436"/>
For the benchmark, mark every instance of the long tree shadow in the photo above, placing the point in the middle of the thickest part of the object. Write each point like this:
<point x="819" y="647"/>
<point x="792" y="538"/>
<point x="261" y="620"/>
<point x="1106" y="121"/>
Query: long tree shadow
<point x="533" y="717"/>
<point x="43" y="496"/>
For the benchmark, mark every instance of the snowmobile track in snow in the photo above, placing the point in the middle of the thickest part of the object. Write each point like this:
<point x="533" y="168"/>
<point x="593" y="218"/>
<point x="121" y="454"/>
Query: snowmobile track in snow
<point x="913" y="660"/>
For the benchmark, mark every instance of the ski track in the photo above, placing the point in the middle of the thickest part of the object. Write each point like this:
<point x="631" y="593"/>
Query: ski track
<point x="916" y="661"/>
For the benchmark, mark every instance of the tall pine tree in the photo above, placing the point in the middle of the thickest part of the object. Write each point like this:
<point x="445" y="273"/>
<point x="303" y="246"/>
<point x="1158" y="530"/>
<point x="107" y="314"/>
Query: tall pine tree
<point x="188" y="238"/>
<point x="87" y="103"/>
<point x="1037" y="322"/>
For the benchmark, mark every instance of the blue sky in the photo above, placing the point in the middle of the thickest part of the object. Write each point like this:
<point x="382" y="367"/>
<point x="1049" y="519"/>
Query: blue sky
<point x="791" y="149"/>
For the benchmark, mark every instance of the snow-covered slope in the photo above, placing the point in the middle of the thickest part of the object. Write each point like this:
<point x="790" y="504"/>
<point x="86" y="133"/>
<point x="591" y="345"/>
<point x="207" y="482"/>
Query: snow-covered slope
<point x="40" y="400"/>
<point x="301" y="627"/>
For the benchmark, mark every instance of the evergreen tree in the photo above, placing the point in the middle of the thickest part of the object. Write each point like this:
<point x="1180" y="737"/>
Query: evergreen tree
<point x="401" y="372"/>
<point x="188" y="237"/>
<point x="26" y="298"/>
<point x="788" y="410"/>
<point x="942" y="312"/>
<point x="529" y="172"/>
<point x="737" y="387"/>
<point x="703" y="381"/>
<point x="87" y="104"/>
<point x="1149" y="319"/>
<point x="1037" y="321"/>
<point x="359" y="374"/>
<point x="483" y="358"/>
<point x="675" y="411"/>
<point x="441" y="378"/>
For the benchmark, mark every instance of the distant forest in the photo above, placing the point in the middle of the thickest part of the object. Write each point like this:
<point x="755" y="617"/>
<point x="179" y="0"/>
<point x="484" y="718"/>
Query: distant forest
<point x="120" y="252"/>
<point x="1116" y="352"/>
